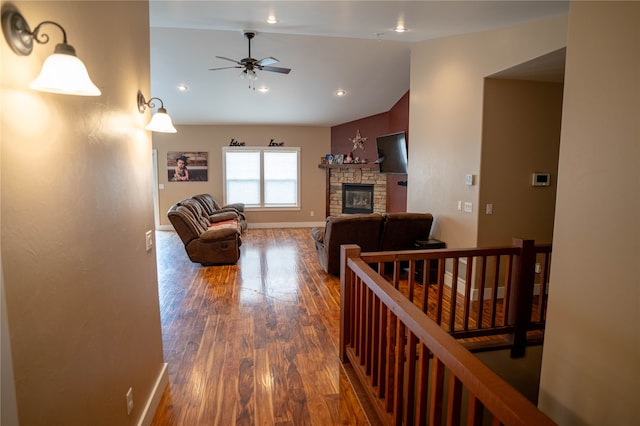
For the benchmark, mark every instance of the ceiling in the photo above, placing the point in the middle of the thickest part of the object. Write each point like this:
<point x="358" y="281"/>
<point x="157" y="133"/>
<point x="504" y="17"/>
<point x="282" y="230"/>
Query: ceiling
<point x="329" y="45"/>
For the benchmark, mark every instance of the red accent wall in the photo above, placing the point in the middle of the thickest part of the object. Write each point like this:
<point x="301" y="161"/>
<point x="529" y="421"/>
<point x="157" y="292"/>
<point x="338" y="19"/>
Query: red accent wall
<point x="370" y="127"/>
<point x="392" y="121"/>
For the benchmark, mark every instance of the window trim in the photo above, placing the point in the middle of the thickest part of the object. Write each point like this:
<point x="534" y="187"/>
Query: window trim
<point x="262" y="150"/>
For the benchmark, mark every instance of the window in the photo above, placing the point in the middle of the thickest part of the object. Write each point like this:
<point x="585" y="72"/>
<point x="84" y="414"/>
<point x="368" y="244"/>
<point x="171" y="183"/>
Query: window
<point x="261" y="177"/>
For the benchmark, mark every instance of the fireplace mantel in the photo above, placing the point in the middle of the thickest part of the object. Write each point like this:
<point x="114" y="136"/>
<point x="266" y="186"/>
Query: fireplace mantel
<point x="372" y="166"/>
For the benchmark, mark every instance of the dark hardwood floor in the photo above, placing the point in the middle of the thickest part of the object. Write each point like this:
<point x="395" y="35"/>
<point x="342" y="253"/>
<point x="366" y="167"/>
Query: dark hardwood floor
<point x="253" y="343"/>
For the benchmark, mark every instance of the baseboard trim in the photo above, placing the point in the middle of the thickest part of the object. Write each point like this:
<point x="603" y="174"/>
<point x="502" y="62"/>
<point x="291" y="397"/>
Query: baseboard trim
<point x="154" y="399"/>
<point x="263" y="225"/>
<point x="285" y="225"/>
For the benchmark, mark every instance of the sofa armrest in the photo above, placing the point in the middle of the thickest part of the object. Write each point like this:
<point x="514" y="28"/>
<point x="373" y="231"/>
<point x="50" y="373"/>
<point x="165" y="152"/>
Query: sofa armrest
<point x="318" y="234"/>
<point x="216" y="234"/>
<point x="226" y="215"/>
<point x="236" y="206"/>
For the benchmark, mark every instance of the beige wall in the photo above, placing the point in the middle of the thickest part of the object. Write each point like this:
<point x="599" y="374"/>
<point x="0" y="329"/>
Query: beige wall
<point x="445" y="119"/>
<point x="520" y="135"/>
<point x="590" y="368"/>
<point x="80" y="288"/>
<point x="314" y="143"/>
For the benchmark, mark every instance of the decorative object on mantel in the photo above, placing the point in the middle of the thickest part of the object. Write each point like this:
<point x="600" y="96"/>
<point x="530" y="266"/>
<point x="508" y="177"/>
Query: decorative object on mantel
<point x="358" y="141"/>
<point x="235" y="143"/>
<point x="272" y="143"/>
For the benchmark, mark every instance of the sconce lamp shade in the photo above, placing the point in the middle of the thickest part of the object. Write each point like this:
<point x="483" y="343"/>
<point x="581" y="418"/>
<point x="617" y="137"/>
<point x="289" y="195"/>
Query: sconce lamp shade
<point x="63" y="73"/>
<point x="161" y="122"/>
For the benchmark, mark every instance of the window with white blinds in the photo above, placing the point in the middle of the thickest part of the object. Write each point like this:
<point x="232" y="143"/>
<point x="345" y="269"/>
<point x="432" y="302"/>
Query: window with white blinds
<point x="262" y="177"/>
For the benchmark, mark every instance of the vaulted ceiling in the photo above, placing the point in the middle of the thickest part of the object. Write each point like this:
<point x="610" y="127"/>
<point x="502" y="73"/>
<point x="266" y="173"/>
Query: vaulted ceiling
<point x="329" y="46"/>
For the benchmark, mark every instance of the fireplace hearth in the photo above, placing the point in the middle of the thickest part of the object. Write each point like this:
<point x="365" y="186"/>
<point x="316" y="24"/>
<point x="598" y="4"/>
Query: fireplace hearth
<point x="357" y="198"/>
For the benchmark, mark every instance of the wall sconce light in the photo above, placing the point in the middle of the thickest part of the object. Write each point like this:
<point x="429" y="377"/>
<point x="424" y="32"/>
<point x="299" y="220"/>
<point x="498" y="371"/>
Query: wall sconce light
<point x="62" y="72"/>
<point x="160" y="122"/>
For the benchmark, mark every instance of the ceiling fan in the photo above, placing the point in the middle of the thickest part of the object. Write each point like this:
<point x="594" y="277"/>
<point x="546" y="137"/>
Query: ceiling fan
<point x="250" y="65"/>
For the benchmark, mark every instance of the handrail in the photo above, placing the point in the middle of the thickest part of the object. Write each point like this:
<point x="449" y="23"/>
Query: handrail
<point x="388" y="340"/>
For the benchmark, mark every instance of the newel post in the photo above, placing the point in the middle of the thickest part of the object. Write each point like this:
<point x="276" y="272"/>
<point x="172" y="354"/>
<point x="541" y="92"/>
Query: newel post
<point x="522" y="295"/>
<point x="346" y="297"/>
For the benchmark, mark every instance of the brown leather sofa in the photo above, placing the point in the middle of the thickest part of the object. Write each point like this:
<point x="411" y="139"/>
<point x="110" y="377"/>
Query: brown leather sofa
<point x="372" y="232"/>
<point x="209" y="239"/>
<point x="211" y="207"/>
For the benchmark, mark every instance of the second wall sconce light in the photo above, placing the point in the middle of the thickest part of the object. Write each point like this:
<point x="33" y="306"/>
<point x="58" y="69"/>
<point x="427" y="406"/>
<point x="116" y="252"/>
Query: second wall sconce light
<point x="160" y="122"/>
<point x="62" y="72"/>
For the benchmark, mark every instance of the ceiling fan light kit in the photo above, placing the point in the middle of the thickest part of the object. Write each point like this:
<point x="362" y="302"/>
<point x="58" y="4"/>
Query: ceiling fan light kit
<point x="249" y="65"/>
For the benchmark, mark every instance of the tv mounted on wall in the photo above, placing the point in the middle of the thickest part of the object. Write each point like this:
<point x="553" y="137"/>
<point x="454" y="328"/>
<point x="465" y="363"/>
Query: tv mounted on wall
<point x="392" y="153"/>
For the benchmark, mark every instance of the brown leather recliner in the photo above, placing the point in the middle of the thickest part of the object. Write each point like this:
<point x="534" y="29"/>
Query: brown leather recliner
<point x="211" y="207"/>
<point x="372" y="232"/>
<point x="361" y="229"/>
<point x="207" y="243"/>
<point x="400" y="231"/>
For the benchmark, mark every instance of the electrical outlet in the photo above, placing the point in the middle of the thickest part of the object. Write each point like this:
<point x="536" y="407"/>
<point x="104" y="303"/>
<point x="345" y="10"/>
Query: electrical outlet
<point x="129" y="398"/>
<point x="312" y="213"/>
<point x="148" y="236"/>
<point x="468" y="207"/>
<point x="489" y="209"/>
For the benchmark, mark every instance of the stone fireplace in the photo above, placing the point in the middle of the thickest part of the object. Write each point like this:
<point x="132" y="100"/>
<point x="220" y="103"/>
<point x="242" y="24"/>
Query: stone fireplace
<point x="357" y="198"/>
<point x="359" y="174"/>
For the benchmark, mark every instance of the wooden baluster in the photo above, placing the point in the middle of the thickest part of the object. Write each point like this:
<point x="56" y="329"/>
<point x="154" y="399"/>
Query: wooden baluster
<point x="382" y="350"/>
<point x="398" y="372"/>
<point x="467" y="294"/>
<point x="422" y="385"/>
<point x="494" y="293"/>
<point x="454" y="295"/>
<point x="475" y="411"/>
<point x="437" y="392"/>
<point x="441" y="268"/>
<point x="522" y="296"/>
<point x="454" y="400"/>
<point x="482" y="273"/>
<point x="346" y="287"/>
<point x="410" y="387"/>
<point x="375" y="341"/>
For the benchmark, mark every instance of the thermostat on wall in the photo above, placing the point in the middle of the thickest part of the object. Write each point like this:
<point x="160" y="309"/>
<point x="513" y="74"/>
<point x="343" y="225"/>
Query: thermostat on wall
<point x="540" y="179"/>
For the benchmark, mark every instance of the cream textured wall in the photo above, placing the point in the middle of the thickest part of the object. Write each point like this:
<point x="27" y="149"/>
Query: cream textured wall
<point x="590" y="364"/>
<point x="314" y="143"/>
<point x="445" y="118"/>
<point x="521" y="135"/>
<point x="80" y="287"/>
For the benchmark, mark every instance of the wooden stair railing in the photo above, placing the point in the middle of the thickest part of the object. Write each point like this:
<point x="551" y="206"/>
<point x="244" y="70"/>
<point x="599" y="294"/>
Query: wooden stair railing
<point x="407" y="359"/>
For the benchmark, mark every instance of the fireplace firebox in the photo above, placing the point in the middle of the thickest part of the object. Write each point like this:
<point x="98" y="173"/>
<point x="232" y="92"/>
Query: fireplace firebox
<point x="357" y="198"/>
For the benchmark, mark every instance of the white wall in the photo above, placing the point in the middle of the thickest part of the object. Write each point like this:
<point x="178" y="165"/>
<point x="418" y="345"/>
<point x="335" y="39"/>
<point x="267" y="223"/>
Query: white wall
<point x="80" y="288"/>
<point x="445" y="120"/>
<point x="591" y="358"/>
<point x="314" y="143"/>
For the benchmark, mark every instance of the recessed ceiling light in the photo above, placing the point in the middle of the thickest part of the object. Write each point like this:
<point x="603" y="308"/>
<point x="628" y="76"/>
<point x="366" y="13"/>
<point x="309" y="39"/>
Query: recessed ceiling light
<point x="183" y="87"/>
<point x="263" y="89"/>
<point x="400" y="29"/>
<point x="272" y="20"/>
<point x="341" y="92"/>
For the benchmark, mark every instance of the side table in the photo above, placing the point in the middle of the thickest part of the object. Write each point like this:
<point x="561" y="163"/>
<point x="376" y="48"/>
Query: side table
<point x="430" y="244"/>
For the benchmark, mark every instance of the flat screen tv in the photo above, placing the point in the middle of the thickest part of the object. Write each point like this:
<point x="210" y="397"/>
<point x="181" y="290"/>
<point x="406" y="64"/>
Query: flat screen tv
<point x="392" y="153"/>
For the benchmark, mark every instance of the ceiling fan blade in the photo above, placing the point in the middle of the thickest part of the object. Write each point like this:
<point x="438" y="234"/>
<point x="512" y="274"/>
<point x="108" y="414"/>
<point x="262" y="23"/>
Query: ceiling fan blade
<point x="267" y="61"/>
<point x="228" y="59"/>
<point x="223" y="68"/>
<point x="276" y="69"/>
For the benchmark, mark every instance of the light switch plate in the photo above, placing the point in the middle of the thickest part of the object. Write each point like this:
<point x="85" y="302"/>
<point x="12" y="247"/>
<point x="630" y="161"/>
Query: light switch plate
<point x="149" y="240"/>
